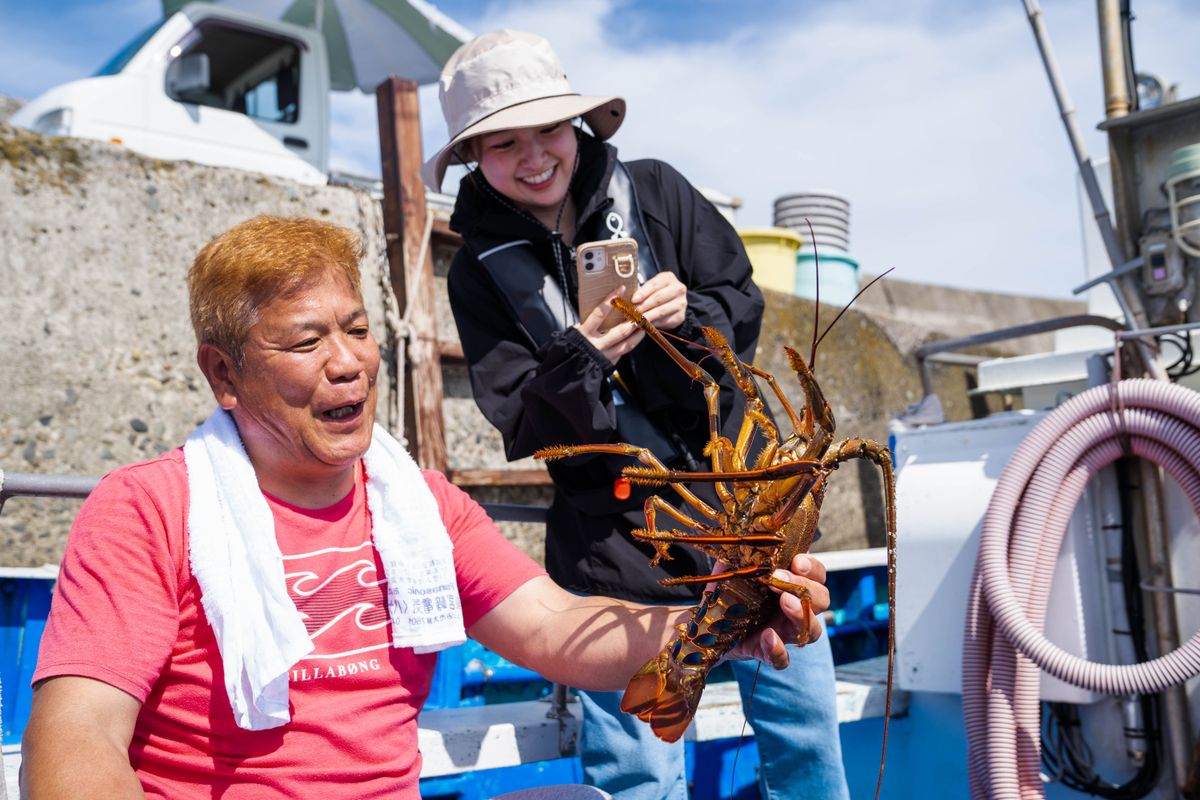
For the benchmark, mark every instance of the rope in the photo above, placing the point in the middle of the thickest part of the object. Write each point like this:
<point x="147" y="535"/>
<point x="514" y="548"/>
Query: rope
<point x="403" y="332"/>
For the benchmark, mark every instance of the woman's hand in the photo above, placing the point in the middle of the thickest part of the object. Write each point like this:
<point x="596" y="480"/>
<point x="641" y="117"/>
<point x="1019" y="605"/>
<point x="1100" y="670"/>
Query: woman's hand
<point x="792" y="625"/>
<point x="662" y="301"/>
<point x="617" y="340"/>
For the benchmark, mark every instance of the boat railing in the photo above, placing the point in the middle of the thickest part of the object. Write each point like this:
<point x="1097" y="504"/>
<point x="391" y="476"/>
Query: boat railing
<point x="944" y="350"/>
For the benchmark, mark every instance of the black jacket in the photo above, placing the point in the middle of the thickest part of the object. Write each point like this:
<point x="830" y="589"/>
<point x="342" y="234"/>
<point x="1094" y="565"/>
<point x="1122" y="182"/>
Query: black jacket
<point x="559" y="393"/>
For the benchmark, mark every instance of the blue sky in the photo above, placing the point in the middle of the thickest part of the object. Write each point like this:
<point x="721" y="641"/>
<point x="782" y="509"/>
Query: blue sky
<point x="933" y="117"/>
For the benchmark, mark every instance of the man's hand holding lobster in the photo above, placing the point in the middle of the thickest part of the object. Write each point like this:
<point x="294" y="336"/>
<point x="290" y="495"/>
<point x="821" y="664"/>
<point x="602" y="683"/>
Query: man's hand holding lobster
<point x="798" y="619"/>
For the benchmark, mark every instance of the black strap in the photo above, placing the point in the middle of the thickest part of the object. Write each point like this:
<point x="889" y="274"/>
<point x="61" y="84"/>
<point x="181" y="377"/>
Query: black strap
<point x="624" y="220"/>
<point x="532" y="294"/>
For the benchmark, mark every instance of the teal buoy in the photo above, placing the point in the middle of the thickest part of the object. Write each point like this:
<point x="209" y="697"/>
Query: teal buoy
<point x="839" y="278"/>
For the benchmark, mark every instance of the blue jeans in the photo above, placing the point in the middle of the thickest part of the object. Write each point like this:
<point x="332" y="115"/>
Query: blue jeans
<point x="794" y="716"/>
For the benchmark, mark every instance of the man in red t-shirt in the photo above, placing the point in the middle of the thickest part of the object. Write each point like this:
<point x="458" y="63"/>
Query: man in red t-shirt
<point x="132" y="694"/>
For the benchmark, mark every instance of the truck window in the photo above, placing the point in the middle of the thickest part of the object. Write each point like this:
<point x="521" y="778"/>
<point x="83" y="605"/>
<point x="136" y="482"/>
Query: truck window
<point x="250" y="72"/>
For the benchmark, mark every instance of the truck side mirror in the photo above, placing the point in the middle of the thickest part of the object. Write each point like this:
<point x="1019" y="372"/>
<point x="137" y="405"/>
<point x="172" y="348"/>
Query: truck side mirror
<point x="188" y="76"/>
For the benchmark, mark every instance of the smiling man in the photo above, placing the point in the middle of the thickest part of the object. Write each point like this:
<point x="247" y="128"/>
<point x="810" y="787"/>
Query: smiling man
<point x="257" y="613"/>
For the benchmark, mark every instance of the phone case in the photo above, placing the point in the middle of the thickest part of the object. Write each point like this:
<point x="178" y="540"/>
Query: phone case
<point x="601" y="267"/>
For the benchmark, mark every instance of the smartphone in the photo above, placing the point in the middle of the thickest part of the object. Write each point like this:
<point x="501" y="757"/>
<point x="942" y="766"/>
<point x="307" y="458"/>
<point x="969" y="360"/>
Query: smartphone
<point x="601" y="267"/>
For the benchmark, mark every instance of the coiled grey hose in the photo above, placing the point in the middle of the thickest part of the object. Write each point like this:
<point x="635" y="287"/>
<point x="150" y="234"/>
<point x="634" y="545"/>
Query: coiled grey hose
<point x="1023" y="529"/>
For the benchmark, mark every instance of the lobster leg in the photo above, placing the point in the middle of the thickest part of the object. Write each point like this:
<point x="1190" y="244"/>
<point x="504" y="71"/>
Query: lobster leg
<point x="792" y="502"/>
<point x="724" y="454"/>
<point x="754" y="405"/>
<point x="774" y="384"/>
<point x="818" y="416"/>
<point x="706" y="535"/>
<point x="654" y="504"/>
<point x="799" y="591"/>
<point x="711" y="388"/>
<point x="755" y="419"/>
<point x="715" y="545"/>
<point x="741" y="572"/>
<point x="663" y="539"/>
<point x="786" y="469"/>
<point x="654" y="466"/>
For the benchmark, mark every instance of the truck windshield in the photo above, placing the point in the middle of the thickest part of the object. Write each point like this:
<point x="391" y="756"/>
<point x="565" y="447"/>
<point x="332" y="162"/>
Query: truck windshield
<point x="250" y="72"/>
<point x="118" y="62"/>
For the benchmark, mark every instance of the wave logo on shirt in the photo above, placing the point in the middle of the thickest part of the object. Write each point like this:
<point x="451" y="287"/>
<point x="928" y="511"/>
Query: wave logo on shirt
<point x="342" y="598"/>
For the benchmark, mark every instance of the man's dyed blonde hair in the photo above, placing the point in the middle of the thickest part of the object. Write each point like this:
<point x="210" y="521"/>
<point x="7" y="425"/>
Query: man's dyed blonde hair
<point x="241" y="270"/>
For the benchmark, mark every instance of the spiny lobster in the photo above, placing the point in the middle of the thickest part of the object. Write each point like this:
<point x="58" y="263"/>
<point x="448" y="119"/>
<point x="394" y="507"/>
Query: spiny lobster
<point x="769" y="508"/>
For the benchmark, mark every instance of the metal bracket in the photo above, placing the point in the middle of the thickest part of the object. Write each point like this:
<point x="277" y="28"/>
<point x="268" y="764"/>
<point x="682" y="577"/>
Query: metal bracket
<point x="559" y="711"/>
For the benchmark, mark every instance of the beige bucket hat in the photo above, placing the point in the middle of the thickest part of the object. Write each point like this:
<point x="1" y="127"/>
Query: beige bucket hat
<point x="509" y="79"/>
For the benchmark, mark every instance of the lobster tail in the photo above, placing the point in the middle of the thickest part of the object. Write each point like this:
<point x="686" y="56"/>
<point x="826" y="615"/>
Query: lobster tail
<point x="666" y="692"/>
<point x="657" y="697"/>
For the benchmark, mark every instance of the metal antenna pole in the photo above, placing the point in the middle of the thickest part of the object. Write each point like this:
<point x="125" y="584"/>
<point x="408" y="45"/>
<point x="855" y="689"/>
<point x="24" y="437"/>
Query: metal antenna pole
<point x="1088" y="173"/>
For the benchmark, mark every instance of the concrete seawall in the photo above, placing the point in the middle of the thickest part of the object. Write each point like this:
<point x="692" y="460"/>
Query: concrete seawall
<point x="97" y="366"/>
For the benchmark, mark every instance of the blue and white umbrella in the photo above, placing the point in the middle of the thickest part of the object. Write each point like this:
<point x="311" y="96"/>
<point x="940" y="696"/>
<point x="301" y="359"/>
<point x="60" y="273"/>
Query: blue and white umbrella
<point x="367" y="40"/>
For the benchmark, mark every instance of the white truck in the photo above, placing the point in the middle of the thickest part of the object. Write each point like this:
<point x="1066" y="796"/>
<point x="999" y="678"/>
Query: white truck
<point x="207" y="84"/>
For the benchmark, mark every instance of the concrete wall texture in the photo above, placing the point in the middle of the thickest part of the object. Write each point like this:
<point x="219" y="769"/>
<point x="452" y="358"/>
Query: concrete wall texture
<point x="97" y="363"/>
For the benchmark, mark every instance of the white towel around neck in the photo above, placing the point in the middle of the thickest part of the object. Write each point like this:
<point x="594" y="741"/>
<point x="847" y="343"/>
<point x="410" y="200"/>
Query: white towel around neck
<point x="237" y="564"/>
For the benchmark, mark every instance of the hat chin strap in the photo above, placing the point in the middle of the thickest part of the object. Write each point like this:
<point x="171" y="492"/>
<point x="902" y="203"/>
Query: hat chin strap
<point x="556" y="234"/>
<point x="562" y="206"/>
<point x="456" y="154"/>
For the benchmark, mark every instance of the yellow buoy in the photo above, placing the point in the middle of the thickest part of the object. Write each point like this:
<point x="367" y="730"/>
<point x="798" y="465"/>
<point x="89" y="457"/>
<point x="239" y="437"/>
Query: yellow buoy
<point x="772" y="254"/>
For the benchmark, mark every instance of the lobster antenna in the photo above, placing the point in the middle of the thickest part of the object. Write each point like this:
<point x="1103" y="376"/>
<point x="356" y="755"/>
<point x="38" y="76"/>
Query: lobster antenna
<point x="745" y="722"/>
<point x="844" y="310"/>
<point x="812" y="237"/>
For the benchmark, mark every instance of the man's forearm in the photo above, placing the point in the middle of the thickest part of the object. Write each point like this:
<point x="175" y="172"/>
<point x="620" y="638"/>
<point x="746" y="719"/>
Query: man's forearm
<point x="589" y="642"/>
<point x="610" y="640"/>
<point x="599" y="643"/>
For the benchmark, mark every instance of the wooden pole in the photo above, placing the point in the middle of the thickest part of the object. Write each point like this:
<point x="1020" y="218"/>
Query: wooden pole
<point x="404" y="223"/>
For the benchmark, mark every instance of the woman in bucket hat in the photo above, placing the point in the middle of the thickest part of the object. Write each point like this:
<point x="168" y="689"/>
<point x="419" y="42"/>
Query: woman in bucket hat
<point x="536" y="186"/>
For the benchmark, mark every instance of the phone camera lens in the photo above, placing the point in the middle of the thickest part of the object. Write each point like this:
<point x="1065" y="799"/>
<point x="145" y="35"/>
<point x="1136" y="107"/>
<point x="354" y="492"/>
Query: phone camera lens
<point x="589" y="255"/>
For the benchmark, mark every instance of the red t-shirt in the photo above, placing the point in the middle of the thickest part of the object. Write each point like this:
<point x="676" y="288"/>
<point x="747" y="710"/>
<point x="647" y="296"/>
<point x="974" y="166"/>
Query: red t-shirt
<point x="126" y="611"/>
